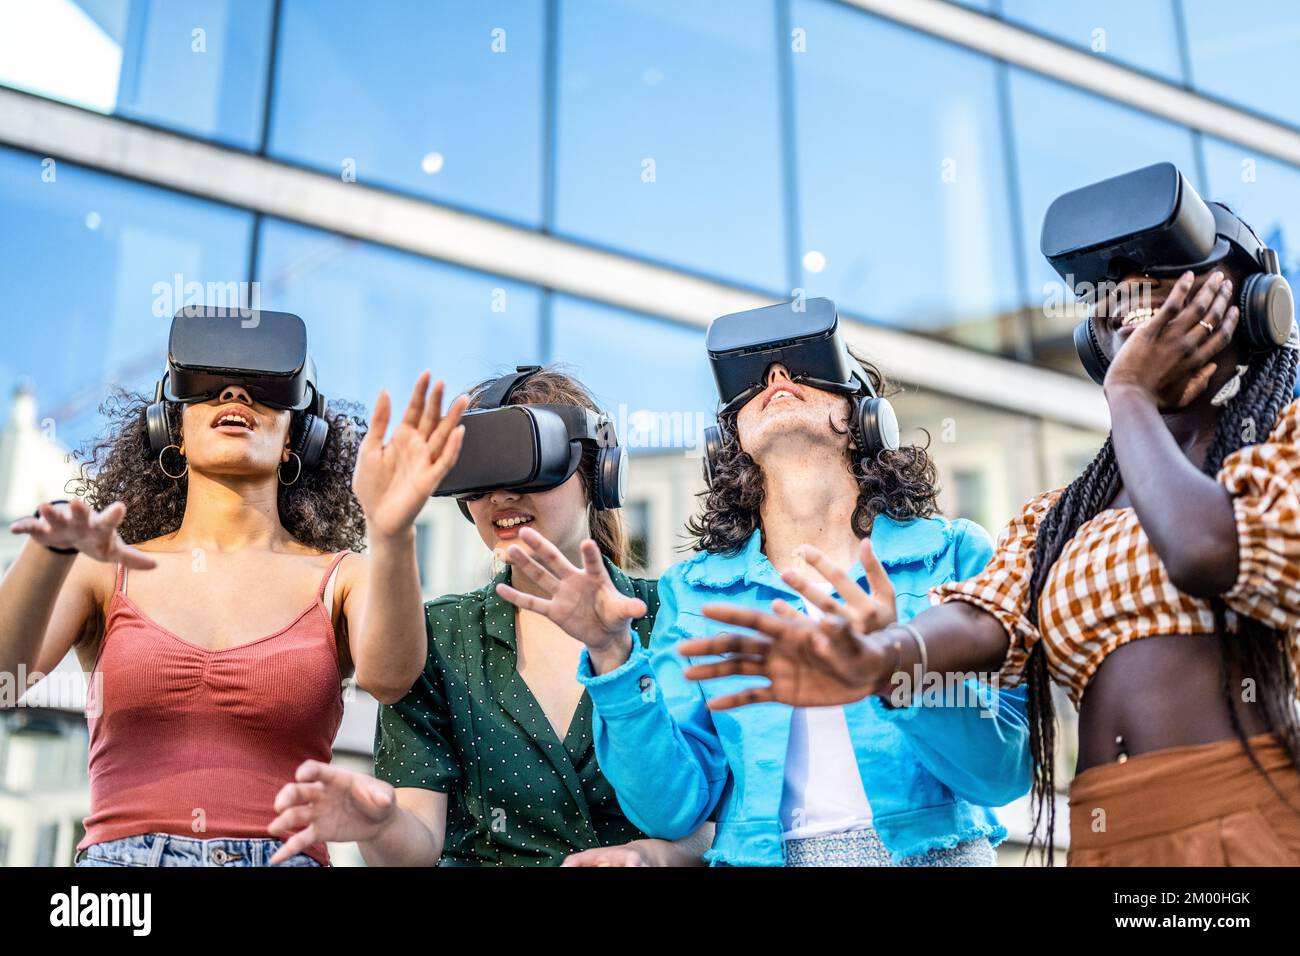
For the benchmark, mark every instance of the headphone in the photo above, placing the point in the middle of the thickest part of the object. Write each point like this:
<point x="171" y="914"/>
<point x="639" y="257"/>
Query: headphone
<point x="609" y="489"/>
<point x="307" y="434"/>
<point x="872" y="423"/>
<point x="1266" y="303"/>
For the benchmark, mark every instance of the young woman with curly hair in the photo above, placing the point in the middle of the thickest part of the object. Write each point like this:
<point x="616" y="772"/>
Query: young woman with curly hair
<point x="217" y="606"/>
<point x="1159" y="589"/>
<point x="795" y="494"/>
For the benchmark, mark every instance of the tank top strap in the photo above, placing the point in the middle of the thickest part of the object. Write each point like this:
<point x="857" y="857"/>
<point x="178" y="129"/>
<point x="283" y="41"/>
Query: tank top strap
<point x="327" y="579"/>
<point x="120" y="586"/>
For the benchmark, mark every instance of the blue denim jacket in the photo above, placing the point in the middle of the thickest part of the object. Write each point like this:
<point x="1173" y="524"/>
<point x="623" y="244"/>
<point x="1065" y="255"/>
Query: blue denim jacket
<point x="930" y="772"/>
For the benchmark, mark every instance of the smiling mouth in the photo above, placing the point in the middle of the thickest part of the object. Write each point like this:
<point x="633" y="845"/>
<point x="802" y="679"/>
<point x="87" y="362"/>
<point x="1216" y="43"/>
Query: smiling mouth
<point x="789" y="393"/>
<point x="512" y="522"/>
<point x="1136" y="317"/>
<point x="233" y="420"/>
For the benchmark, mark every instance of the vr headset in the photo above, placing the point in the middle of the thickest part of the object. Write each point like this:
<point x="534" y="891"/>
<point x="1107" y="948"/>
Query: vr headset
<point x="1152" y="221"/>
<point x="532" y="448"/>
<point x="210" y="348"/>
<point x="807" y="341"/>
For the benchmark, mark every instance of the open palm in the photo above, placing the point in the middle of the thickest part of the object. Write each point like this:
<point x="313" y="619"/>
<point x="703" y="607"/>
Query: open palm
<point x="582" y="602"/>
<point x="394" y="479"/>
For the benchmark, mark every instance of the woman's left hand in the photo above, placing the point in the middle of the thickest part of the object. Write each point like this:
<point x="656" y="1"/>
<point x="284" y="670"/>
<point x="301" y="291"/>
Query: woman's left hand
<point x="393" y="480"/>
<point x="1168" y="357"/>
<point x="629" y="854"/>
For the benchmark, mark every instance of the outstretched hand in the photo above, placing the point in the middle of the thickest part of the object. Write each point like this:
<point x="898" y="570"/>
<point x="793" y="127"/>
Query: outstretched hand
<point x="393" y="480"/>
<point x="93" y="533"/>
<point x="582" y="602"/>
<point x="807" y="663"/>
<point x="326" y="803"/>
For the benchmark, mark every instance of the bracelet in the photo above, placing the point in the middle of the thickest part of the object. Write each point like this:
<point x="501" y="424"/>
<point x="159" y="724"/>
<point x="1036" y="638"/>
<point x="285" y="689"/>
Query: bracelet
<point x="920" y="645"/>
<point x="37" y="514"/>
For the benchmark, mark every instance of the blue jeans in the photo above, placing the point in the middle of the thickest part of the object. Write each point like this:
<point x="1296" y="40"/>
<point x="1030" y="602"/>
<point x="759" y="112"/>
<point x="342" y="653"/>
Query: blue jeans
<point x="163" y="849"/>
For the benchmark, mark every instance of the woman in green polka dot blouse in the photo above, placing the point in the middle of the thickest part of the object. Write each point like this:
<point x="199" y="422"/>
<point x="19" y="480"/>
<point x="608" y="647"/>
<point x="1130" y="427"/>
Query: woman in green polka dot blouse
<point x="489" y="759"/>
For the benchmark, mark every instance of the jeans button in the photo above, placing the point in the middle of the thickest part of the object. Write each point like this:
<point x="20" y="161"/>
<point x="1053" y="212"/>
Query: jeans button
<point x="220" y="856"/>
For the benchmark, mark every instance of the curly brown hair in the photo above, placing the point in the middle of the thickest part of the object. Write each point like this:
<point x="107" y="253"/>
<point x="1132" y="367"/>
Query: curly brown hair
<point x="318" y="509"/>
<point x="902" y="484"/>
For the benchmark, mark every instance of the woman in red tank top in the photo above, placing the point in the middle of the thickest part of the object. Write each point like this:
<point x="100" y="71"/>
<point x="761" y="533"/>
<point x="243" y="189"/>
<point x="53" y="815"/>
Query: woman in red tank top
<point x="176" y="580"/>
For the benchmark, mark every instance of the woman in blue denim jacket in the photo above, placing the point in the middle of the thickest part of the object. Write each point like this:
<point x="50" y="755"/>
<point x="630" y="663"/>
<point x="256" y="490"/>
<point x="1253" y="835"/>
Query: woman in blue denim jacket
<point x="868" y="783"/>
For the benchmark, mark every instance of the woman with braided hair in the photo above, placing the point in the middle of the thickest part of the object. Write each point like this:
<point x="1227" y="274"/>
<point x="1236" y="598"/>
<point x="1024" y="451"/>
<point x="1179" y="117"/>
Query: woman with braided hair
<point x="1161" y="589"/>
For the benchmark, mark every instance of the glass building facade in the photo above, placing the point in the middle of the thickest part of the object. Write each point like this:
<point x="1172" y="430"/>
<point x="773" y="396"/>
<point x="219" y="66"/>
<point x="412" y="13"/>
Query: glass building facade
<point x="772" y="147"/>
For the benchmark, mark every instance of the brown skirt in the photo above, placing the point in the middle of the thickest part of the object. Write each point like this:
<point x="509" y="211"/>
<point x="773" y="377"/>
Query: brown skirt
<point x="1203" y="805"/>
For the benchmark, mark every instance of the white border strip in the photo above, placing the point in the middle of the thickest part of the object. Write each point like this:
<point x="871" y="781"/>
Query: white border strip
<point x="998" y="38"/>
<point x="68" y="133"/>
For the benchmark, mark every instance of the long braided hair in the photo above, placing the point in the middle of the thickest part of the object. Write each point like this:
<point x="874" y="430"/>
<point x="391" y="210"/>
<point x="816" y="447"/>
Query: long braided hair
<point x="1255" y="649"/>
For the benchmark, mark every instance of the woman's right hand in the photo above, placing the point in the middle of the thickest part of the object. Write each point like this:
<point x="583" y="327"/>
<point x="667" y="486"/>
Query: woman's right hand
<point x="93" y="533"/>
<point x="582" y="602"/>
<point x="330" y="804"/>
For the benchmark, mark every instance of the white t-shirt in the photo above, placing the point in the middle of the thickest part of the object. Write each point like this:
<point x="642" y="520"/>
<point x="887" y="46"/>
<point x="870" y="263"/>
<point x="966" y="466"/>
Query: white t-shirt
<point x="823" y="786"/>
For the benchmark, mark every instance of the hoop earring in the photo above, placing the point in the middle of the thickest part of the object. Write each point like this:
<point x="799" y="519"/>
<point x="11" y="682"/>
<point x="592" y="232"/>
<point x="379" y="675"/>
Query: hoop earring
<point x="296" y="475"/>
<point x="163" y="468"/>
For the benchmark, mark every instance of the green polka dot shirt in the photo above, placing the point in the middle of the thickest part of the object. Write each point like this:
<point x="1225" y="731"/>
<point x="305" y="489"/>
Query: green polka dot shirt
<point x="471" y="728"/>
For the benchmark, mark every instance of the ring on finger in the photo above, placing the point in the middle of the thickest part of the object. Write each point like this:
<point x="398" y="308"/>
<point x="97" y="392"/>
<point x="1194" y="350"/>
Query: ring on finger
<point x="1209" y="327"/>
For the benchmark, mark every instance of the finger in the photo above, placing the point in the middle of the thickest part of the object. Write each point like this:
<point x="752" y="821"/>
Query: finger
<point x="295" y="845"/>
<point x="748" y="666"/>
<point x="32" y="526"/>
<point x="631" y="607"/>
<point x="432" y="410"/>
<point x="1219" y="339"/>
<point x="814" y="595"/>
<point x="754" y="695"/>
<point x="373" y="798"/>
<point x="447" y="457"/>
<point x="592" y="564"/>
<point x="837" y="577"/>
<point x="292" y="820"/>
<point x="726" y="643"/>
<point x="882" y="589"/>
<point x="786" y="609"/>
<point x="1196" y="385"/>
<point x="439" y="436"/>
<point x="312" y="770"/>
<point x="745" y="617"/>
<point x="1200" y="304"/>
<point x="415" y="407"/>
<point x="551" y="557"/>
<point x="379" y="417"/>
<point x="54" y="516"/>
<point x="130" y="557"/>
<point x="1171" y="307"/>
<point x="526" y="601"/>
<point x="520" y="559"/>
<point x="294" y="794"/>
<point x="110" y="519"/>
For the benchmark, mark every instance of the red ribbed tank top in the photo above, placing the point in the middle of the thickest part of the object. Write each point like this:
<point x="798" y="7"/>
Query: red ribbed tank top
<point x="196" y="742"/>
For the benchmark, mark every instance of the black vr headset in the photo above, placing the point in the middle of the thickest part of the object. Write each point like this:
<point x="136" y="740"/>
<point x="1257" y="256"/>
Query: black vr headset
<point x="210" y="348"/>
<point x="807" y="341"/>
<point x="1152" y="221"/>
<point x="532" y="448"/>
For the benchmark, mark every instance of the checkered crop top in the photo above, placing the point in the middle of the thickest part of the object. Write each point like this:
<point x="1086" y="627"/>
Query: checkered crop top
<point x="1109" y="586"/>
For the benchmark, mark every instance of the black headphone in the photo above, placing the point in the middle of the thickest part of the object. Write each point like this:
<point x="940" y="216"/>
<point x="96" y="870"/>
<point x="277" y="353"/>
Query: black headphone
<point x="872" y="423"/>
<point x="309" y="430"/>
<point x="1266" y="303"/>
<point x="609" y="490"/>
